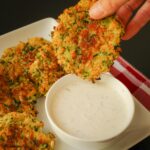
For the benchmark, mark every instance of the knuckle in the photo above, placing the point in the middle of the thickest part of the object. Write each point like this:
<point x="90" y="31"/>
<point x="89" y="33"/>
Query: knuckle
<point x="110" y="4"/>
<point x="121" y="20"/>
<point x="129" y="7"/>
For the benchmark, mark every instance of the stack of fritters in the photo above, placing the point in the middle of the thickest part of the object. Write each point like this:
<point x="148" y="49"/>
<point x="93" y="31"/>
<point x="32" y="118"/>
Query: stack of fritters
<point x="85" y="46"/>
<point x="26" y="73"/>
<point x="21" y="131"/>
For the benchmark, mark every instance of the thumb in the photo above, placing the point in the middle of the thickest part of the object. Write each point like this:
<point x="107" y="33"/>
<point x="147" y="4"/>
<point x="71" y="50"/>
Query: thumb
<point x="104" y="8"/>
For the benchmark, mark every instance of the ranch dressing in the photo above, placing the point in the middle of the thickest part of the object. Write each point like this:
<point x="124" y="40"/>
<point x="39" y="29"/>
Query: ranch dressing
<point x="89" y="111"/>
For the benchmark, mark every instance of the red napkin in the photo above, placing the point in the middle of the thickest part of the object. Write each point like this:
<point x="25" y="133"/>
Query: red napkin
<point x="136" y="82"/>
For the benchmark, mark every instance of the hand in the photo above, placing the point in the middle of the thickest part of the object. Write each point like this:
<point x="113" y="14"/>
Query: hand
<point x="124" y="11"/>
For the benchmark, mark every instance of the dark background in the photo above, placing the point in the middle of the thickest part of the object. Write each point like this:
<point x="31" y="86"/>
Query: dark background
<point x="17" y="13"/>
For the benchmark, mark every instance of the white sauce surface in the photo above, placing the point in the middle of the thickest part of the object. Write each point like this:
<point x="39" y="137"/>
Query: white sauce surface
<point x="89" y="111"/>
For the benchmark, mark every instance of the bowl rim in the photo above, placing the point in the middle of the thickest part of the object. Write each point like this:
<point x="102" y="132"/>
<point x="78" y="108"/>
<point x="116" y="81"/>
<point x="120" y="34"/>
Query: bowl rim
<point x="56" y="127"/>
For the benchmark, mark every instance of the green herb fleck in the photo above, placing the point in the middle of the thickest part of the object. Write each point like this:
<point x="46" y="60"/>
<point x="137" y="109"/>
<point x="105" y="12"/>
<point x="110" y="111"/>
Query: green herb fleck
<point x="1" y="138"/>
<point x="16" y="103"/>
<point x="44" y="145"/>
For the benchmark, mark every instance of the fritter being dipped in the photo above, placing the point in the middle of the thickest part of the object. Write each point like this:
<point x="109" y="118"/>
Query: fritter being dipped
<point x="22" y="131"/>
<point x="85" y="46"/>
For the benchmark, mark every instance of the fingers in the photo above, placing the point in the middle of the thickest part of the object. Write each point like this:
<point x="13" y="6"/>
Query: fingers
<point x="103" y="8"/>
<point x="125" y="12"/>
<point x="141" y="18"/>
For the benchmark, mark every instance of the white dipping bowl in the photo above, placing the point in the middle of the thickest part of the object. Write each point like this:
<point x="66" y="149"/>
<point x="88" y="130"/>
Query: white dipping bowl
<point x="106" y="128"/>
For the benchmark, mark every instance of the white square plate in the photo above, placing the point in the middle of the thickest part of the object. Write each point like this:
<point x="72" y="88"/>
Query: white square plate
<point x="140" y="126"/>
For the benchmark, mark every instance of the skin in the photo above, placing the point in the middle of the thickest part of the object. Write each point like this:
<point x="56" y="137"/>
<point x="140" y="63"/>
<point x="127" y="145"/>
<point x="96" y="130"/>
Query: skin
<point x="124" y="10"/>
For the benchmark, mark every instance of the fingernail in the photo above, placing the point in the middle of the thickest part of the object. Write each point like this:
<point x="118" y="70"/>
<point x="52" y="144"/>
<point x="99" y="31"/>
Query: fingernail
<point x="96" y="11"/>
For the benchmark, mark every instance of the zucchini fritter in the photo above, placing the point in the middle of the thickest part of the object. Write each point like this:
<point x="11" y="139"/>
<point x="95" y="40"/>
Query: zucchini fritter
<point x="22" y="131"/>
<point x="29" y="69"/>
<point x="10" y="104"/>
<point x="15" y="61"/>
<point x="85" y="46"/>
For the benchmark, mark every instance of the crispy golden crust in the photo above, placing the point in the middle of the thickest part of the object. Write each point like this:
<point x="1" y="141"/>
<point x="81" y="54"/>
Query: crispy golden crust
<point x="15" y="61"/>
<point x="3" y="84"/>
<point x="86" y="4"/>
<point x="29" y="69"/>
<point x="8" y="104"/>
<point x="44" y="71"/>
<point x="84" y="46"/>
<point x="22" y="131"/>
<point x="24" y="90"/>
<point x="30" y="139"/>
<point x="11" y="104"/>
<point x="20" y="119"/>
